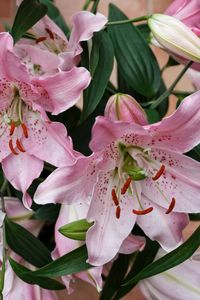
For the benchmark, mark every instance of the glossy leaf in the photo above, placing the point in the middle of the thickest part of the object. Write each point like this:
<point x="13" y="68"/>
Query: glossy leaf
<point x="54" y="13"/>
<point x="101" y="64"/>
<point x="76" y="230"/>
<point x="70" y="263"/>
<point x="135" y="59"/>
<point x="24" y="243"/>
<point x="170" y="260"/>
<point x="115" y="277"/>
<point x="143" y="259"/>
<point x="25" y="274"/>
<point x="48" y="212"/>
<point x="28" y="13"/>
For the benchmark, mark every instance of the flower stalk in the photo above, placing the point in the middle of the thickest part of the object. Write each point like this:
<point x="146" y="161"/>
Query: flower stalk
<point x="134" y="20"/>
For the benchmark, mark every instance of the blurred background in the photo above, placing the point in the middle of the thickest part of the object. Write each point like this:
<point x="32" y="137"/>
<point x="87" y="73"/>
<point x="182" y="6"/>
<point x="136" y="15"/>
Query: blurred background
<point x="132" y="8"/>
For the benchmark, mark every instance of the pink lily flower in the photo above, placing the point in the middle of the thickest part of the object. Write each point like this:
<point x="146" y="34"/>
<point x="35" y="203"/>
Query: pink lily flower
<point x="14" y="287"/>
<point x="78" y="211"/>
<point x="136" y="174"/>
<point x="28" y="138"/>
<point x="180" y="282"/>
<point x="50" y="38"/>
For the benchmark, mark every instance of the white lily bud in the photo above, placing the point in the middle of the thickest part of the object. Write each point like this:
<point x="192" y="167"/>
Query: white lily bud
<point x="175" y="36"/>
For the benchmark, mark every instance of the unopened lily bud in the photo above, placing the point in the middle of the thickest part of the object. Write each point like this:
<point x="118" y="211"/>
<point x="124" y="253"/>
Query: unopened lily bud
<point x="122" y="107"/>
<point x="76" y="230"/>
<point x="175" y="36"/>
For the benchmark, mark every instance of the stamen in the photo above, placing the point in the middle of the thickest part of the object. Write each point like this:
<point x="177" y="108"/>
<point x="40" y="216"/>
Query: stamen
<point x="142" y="212"/>
<point x="25" y="130"/>
<point x="12" y="128"/>
<point x="118" y="212"/>
<point x="126" y="186"/>
<point x="19" y="146"/>
<point x="41" y="39"/>
<point x="51" y="35"/>
<point x="114" y="197"/>
<point x="12" y="148"/>
<point x="159" y="173"/>
<point x="171" y="206"/>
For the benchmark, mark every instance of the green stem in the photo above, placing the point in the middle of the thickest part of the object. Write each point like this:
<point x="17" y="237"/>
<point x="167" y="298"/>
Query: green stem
<point x="86" y="5"/>
<point x="95" y="6"/>
<point x="156" y="102"/>
<point x="143" y="18"/>
<point x="4" y="185"/>
<point x="3" y="268"/>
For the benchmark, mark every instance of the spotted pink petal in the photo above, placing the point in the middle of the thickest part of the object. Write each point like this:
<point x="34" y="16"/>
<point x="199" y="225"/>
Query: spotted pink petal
<point x="166" y="229"/>
<point x="68" y="184"/>
<point x="106" y="236"/>
<point x="180" y="180"/>
<point x="47" y="140"/>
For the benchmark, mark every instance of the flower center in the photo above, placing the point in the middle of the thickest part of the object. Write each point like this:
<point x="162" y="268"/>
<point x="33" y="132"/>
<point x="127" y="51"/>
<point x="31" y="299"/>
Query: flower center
<point x="52" y="42"/>
<point x="12" y="117"/>
<point x="136" y="165"/>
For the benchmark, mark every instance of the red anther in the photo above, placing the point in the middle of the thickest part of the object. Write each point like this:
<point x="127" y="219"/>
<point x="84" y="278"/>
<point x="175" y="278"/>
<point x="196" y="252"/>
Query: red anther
<point x="142" y="212"/>
<point x="126" y="186"/>
<point x="19" y="146"/>
<point x="114" y="197"/>
<point x="12" y="148"/>
<point x="12" y="128"/>
<point x="51" y="35"/>
<point x="118" y="212"/>
<point x="25" y="130"/>
<point x="41" y="39"/>
<point x="171" y="206"/>
<point x="159" y="173"/>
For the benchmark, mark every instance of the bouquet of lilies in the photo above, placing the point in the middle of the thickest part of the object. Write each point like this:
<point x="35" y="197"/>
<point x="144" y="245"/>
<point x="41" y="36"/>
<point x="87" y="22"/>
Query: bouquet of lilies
<point x="100" y="191"/>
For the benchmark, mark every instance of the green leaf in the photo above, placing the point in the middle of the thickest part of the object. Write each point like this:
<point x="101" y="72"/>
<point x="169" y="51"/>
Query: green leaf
<point x="135" y="59"/>
<point x="152" y="115"/>
<point x="48" y="212"/>
<point x="28" y="13"/>
<point x="194" y="217"/>
<point x="25" y="274"/>
<point x="76" y="230"/>
<point x="170" y="260"/>
<point x="143" y="259"/>
<point x="113" y="282"/>
<point x="70" y="263"/>
<point x="101" y="64"/>
<point x="54" y="13"/>
<point x="24" y="243"/>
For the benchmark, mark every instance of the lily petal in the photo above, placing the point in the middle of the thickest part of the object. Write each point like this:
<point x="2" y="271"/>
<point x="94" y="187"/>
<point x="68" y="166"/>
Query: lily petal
<point x="105" y="237"/>
<point x="166" y="229"/>
<point x="181" y="180"/>
<point x="21" y="170"/>
<point x="64" y="88"/>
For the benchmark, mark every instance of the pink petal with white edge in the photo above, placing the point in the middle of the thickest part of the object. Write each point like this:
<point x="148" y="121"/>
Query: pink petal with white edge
<point x="47" y="140"/>
<point x="21" y="170"/>
<point x="132" y="244"/>
<point x="64" y="89"/>
<point x="106" y="236"/>
<point x="181" y="180"/>
<point x="68" y="184"/>
<point x="178" y="131"/>
<point x="164" y="228"/>
<point x="85" y="24"/>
